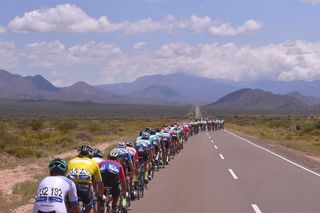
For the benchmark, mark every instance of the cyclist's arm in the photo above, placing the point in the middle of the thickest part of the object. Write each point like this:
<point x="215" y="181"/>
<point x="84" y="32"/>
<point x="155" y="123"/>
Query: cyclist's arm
<point x="136" y="160"/>
<point x="73" y="198"/>
<point x="98" y="184"/>
<point x="123" y="181"/>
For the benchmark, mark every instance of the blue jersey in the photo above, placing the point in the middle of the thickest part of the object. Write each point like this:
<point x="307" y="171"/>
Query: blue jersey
<point x="154" y="140"/>
<point x="142" y="145"/>
<point x="112" y="172"/>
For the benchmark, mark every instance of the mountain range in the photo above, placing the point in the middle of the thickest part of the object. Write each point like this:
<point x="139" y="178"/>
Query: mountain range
<point x="259" y="100"/>
<point x="172" y="89"/>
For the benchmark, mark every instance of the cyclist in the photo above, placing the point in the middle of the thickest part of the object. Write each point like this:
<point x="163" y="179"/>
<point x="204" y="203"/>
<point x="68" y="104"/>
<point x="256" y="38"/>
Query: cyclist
<point x="85" y="172"/>
<point x="155" y="141"/>
<point x="143" y="146"/>
<point x="165" y="140"/>
<point x="125" y="158"/>
<point x="53" y="190"/>
<point x="112" y="173"/>
<point x="97" y="155"/>
<point x="186" y="132"/>
<point x="135" y="157"/>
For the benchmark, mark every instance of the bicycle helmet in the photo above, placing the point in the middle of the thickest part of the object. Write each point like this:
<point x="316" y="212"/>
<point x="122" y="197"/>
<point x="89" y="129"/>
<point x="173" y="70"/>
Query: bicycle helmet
<point x="113" y="154"/>
<point x="129" y="143"/>
<point x="152" y="132"/>
<point x="121" y="145"/>
<point x="58" y="166"/>
<point x="86" y="150"/>
<point x="145" y="136"/>
<point x="97" y="153"/>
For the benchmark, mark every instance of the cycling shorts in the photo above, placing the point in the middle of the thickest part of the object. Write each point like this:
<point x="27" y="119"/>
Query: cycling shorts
<point x="85" y="193"/>
<point x="166" y="143"/>
<point x="46" y="212"/>
<point x="115" y="190"/>
<point x="144" y="155"/>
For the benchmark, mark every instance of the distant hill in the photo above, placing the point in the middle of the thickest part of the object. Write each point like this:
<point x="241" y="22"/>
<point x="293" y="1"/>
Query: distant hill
<point x="310" y="100"/>
<point x="190" y="89"/>
<point x="38" y="88"/>
<point x="256" y="99"/>
<point x="171" y="89"/>
<point x="156" y="95"/>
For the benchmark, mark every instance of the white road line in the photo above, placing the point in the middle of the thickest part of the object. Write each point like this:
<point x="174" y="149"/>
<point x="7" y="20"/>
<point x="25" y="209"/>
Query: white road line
<point x="221" y="156"/>
<point x="233" y="174"/>
<point x="209" y="137"/>
<point x="279" y="156"/>
<point x="256" y="208"/>
<point x="211" y="141"/>
<point x="215" y="147"/>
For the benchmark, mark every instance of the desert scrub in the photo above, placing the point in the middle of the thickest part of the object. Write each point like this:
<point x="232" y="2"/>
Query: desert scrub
<point x="65" y="125"/>
<point x="57" y="135"/>
<point x="295" y="132"/>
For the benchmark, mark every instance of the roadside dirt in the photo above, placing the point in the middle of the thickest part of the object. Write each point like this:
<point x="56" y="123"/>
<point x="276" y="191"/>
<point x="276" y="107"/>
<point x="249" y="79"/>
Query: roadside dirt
<point x="21" y="173"/>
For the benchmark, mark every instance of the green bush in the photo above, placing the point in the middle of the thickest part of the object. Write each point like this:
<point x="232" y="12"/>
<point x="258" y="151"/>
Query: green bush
<point x="36" y="124"/>
<point x="317" y="124"/>
<point x="307" y="129"/>
<point x="65" y="126"/>
<point x="21" y="152"/>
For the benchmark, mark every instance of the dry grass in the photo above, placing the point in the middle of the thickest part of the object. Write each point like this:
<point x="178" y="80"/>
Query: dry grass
<point x="295" y="132"/>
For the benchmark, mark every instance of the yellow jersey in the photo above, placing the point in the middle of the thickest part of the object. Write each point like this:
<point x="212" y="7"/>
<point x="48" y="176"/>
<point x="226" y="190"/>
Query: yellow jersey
<point x="83" y="170"/>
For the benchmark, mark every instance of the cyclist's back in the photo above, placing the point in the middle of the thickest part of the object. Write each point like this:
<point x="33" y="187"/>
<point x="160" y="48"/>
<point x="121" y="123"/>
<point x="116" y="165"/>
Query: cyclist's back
<point x="83" y="170"/>
<point x="53" y="190"/>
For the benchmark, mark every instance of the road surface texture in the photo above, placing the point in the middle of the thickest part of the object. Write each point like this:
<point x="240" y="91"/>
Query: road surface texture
<point x="197" y="112"/>
<point x="220" y="172"/>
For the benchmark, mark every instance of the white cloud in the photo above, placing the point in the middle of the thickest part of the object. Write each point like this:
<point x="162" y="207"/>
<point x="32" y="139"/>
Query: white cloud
<point x="8" y="55"/>
<point x="290" y="60"/>
<point x="55" y="54"/>
<point x="311" y="1"/>
<point x="49" y="55"/>
<point x="194" y="24"/>
<point x="225" y="29"/>
<point x="62" y="18"/>
<point x="197" y="23"/>
<point x="138" y="45"/>
<point x="2" y="30"/>
<point x="70" y="18"/>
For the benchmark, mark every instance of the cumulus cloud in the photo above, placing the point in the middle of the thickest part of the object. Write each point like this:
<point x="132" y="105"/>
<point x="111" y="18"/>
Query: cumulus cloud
<point x="138" y="45"/>
<point x="2" y="30"/>
<point x="225" y="29"/>
<point x="55" y="54"/>
<point x="70" y="18"/>
<point x="8" y="55"/>
<point x="62" y="18"/>
<point x="290" y="60"/>
<point x="311" y="1"/>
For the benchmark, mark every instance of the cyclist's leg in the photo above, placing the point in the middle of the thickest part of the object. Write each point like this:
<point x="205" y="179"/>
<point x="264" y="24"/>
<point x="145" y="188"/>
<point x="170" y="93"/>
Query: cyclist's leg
<point x="85" y="194"/>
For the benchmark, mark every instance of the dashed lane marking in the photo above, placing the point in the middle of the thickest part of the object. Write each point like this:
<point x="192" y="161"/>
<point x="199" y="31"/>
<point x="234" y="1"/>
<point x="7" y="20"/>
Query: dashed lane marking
<point x="215" y="147"/>
<point x="233" y="174"/>
<point x="211" y="141"/>
<point x="256" y="208"/>
<point x="279" y="156"/>
<point x="221" y="156"/>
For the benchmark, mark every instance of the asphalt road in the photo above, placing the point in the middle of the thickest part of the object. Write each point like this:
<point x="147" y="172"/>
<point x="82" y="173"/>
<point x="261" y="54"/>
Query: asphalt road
<point x="219" y="172"/>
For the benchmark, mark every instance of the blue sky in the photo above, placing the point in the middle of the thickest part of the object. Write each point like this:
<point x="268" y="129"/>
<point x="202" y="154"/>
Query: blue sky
<point x="103" y="42"/>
